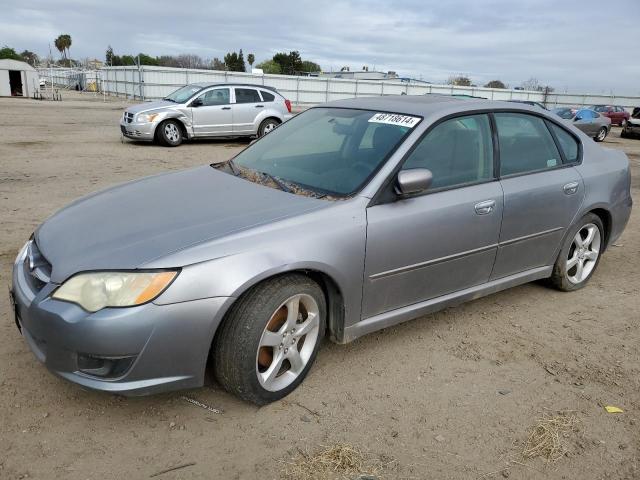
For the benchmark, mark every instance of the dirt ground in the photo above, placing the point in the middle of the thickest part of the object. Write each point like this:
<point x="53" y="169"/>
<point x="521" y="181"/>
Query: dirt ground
<point x="447" y="396"/>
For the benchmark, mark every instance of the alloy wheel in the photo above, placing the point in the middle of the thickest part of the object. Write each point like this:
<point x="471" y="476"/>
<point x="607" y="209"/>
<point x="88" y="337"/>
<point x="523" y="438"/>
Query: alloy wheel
<point x="269" y="127"/>
<point x="287" y="342"/>
<point x="602" y="134"/>
<point x="171" y="132"/>
<point x="583" y="253"/>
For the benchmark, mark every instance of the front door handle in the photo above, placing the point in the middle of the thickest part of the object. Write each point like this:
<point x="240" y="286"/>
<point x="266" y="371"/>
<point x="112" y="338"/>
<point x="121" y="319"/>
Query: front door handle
<point x="486" y="207"/>
<point x="226" y="108"/>
<point x="570" y="188"/>
<point x="259" y="106"/>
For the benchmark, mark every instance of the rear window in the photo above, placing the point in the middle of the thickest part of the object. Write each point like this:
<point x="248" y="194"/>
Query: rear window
<point x="568" y="144"/>
<point x="267" y="97"/>
<point x="247" y="95"/>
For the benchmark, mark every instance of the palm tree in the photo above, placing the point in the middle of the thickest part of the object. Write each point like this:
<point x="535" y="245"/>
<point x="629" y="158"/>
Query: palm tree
<point x="250" y="59"/>
<point x="63" y="43"/>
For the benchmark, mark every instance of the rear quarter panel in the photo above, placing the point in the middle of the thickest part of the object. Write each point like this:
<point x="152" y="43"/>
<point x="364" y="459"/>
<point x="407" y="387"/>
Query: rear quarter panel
<point x="607" y="180"/>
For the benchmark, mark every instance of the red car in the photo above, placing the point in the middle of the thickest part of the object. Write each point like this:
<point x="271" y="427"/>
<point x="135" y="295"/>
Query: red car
<point x="618" y="115"/>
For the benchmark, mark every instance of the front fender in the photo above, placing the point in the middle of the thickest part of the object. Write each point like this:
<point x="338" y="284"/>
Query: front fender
<point x="183" y="117"/>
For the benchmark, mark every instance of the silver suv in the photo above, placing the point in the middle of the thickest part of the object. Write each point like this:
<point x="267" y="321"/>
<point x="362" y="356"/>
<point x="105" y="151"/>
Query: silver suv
<point x="205" y="110"/>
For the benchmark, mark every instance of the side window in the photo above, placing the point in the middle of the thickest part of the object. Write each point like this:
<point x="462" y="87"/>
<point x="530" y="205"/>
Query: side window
<point x="457" y="151"/>
<point x="267" y="97"/>
<point x="525" y="144"/>
<point x="568" y="144"/>
<point x="247" y="95"/>
<point x="219" y="96"/>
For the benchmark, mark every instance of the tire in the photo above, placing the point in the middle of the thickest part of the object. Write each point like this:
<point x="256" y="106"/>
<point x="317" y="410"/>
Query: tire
<point x="267" y="126"/>
<point x="623" y="123"/>
<point x="169" y="133"/>
<point x="565" y="277"/>
<point x="601" y="135"/>
<point x="624" y="133"/>
<point x="261" y="374"/>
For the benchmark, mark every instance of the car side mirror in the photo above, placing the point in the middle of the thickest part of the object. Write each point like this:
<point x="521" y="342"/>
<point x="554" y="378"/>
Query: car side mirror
<point x="577" y="118"/>
<point x="413" y="180"/>
<point x="196" y="103"/>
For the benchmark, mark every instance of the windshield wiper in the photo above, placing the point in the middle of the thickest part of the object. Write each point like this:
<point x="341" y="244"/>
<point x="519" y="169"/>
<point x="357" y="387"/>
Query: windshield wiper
<point x="277" y="181"/>
<point x="170" y="99"/>
<point x="233" y="167"/>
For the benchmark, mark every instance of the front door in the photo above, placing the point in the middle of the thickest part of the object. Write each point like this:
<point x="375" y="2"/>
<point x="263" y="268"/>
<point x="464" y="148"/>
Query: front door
<point x="585" y="121"/>
<point x="247" y="107"/>
<point x="213" y="116"/>
<point x="446" y="239"/>
<point x="542" y="191"/>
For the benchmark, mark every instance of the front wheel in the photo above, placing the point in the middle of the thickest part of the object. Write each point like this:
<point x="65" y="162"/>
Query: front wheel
<point x="170" y="133"/>
<point x="601" y="135"/>
<point x="267" y="126"/>
<point x="270" y="338"/>
<point x="580" y="254"/>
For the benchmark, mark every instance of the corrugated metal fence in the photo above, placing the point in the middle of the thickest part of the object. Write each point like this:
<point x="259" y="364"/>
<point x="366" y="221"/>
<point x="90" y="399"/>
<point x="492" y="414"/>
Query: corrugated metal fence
<point x="150" y="83"/>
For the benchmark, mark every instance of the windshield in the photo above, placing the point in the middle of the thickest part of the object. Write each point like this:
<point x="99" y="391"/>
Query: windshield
<point x="600" y="108"/>
<point x="183" y="94"/>
<point x="565" y="113"/>
<point x="332" y="151"/>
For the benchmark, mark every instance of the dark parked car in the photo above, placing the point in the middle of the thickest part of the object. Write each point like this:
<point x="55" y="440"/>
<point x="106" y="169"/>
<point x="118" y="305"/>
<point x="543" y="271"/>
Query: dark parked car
<point x="618" y="115"/>
<point x="530" y="102"/>
<point x="589" y="121"/>
<point x="632" y="127"/>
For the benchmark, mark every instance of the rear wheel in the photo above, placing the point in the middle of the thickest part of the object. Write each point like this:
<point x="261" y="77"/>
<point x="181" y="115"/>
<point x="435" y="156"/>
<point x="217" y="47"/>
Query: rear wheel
<point x="624" y="133"/>
<point x="170" y="133"/>
<point x="580" y="254"/>
<point x="270" y="339"/>
<point x="267" y="126"/>
<point x="601" y="135"/>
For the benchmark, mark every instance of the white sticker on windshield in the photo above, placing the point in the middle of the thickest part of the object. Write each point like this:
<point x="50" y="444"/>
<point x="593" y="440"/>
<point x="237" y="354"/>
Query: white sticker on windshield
<point x="395" y="119"/>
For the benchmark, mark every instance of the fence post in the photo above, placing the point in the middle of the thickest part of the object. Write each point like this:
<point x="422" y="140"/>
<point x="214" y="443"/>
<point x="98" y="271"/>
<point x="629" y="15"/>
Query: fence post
<point x="326" y="94"/>
<point x="381" y="88"/>
<point x="297" y="89"/>
<point x="186" y="76"/>
<point x="356" y="92"/>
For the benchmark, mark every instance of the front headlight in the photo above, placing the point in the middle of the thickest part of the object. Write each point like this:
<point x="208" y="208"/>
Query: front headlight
<point x="95" y="291"/>
<point x="146" y="117"/>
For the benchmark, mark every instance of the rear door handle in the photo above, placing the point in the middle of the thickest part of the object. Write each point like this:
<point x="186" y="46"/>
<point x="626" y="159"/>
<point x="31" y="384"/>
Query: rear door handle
<point x="486" y="207"/>
<point x="226" y="108"/>
<point x="259" y="106"/>
<point x="570" y="188"/>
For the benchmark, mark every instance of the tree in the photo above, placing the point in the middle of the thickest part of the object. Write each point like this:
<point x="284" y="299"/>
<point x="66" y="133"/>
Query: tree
<point x="30" y="57"/>
<point x="250" y="59"/>
<point x="459" y="81"/>
<point x="109" y="56"/>
<point x="534" y="85"/>
<point x="309" y="67"/>
<point x="147" y="59"/>
<point x="270" y="66"/>
<point x="217" y="64"/>
<point x="234" y="62"/>
<point x="10" y="53"/>
<point x="63" y="43"/>
<point x="290" y="63"/>
<point x="495" y="84"/>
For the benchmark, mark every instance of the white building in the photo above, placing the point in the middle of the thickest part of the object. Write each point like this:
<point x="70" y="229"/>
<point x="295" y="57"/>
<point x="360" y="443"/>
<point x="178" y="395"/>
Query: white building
<point x="18" y="79"/>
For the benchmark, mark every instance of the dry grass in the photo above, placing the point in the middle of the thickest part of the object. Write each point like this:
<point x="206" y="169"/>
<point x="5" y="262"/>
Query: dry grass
<point x="547" y="437"/>
<point x="339" y="461"/>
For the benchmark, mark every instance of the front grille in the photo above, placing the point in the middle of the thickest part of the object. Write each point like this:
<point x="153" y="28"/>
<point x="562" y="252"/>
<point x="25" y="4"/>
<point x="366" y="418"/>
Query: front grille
<point x="37" y="268"/>
<point x="128" y="117"/>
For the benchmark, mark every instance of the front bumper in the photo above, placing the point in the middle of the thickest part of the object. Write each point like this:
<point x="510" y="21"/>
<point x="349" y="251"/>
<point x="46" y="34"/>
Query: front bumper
<point x="138" y="131"/>
<point x="632" y="128"/>
<point x="158" y="347"/>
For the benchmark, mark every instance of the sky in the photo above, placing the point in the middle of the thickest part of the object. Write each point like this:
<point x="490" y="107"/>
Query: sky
<point x="577" y="46"/>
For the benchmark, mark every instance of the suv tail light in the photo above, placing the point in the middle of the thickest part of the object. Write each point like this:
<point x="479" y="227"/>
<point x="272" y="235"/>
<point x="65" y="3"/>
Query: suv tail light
<point x="288" y="104"/>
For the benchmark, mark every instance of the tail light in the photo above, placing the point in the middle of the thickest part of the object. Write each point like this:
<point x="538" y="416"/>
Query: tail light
<point x="288" y="104"/>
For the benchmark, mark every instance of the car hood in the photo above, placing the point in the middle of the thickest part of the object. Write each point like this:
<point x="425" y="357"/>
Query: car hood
<point x="129" y="225"/>
<point x="143" y="107"/>
<point x="634" y="121"/>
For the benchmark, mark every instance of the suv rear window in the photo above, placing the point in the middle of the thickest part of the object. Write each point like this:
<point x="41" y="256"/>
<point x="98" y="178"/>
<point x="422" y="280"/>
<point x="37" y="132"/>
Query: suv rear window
<point x="267" y="97"/>
<point x="247" y="95"/>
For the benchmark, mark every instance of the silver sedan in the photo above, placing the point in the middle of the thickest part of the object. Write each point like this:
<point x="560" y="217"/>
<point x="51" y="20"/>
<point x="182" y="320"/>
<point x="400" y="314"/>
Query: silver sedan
<point x="589" y="121"/>
<point x="353" y="216"/>
<point x="207" y="110"/>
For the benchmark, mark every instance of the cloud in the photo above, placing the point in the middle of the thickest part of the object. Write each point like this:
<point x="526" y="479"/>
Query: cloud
<point x="579" y="45"/>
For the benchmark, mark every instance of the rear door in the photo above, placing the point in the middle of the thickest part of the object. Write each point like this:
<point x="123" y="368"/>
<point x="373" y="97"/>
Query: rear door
<point x="248" y="106"/>
<point x="214" y="115"/>
<point x="585" y="121"/>
<point x="542" y="190"/>
<point x="444" y="240"/>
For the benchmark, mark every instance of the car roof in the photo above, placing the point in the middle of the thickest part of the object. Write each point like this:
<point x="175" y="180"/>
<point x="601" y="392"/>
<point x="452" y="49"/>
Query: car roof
<point x="424" y="104"/>
<point x="213" y="84"/>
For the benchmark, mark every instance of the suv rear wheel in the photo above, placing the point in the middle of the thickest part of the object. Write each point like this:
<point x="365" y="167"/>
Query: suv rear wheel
<point x="267" y="126"/>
